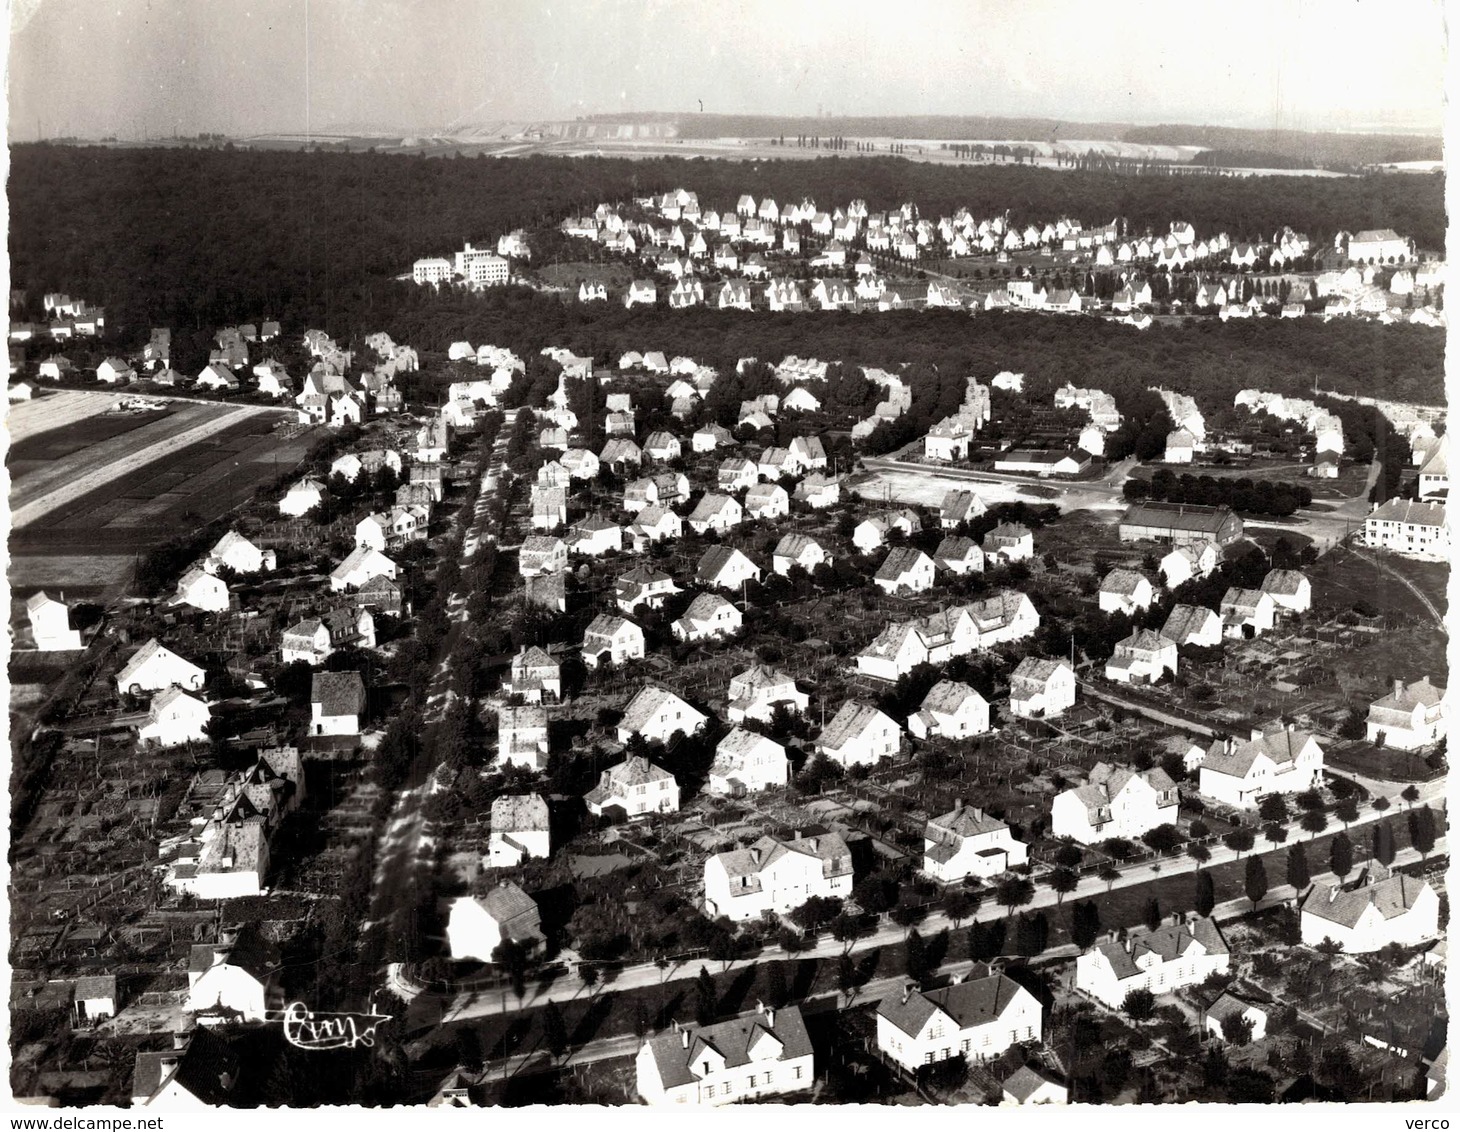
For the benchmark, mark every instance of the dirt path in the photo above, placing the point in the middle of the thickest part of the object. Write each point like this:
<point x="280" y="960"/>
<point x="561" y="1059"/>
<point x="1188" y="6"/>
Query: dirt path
<point x="97" y="477"/>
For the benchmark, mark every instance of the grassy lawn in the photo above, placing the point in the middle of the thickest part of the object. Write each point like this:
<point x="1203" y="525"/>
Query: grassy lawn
<point x="1340" y="578"/>
<point x="1366" y="759"/>
<point x="611" y="274"/>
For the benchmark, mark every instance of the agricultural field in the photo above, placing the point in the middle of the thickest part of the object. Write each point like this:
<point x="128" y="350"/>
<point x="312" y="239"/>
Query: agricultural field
<point x="138" y="509"/>
<point x="52" y="410"/>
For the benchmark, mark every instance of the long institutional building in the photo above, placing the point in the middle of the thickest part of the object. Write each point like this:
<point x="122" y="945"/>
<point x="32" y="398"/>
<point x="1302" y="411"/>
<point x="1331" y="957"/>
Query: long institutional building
<point x="1181" y="524"/>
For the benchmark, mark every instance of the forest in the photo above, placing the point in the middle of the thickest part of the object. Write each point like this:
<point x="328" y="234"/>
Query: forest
<point x="195" y="238"/>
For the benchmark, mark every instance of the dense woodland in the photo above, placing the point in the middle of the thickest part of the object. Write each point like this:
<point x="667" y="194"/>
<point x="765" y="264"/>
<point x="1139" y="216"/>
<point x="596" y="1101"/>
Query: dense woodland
<point x="195" y="238"/>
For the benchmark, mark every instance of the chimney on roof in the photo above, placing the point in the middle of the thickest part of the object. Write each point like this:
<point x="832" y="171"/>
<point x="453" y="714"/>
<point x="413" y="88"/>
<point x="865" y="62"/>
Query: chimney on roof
<point x="1333" y="891"/>
<point x="1398" y="686"/>
<point x="683" y="1037"/>
<point x="180" y="1041"/>
<point x="907" y="989"/>
<point x="1256" y="733"/>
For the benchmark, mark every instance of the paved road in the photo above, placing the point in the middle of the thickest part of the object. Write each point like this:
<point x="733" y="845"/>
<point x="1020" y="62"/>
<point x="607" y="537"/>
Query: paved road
<point x="473" y="1005"/>
<point x="627" y="1045"/>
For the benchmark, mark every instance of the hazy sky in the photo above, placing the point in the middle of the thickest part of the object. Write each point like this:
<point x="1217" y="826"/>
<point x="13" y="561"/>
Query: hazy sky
<point x="125" y="67"/>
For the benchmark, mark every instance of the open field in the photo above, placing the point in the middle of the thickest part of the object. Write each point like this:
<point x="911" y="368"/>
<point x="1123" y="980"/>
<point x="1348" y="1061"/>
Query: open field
<point x="88" y="468"/>
<point x="928" y="488"/>
<point x="43" y="451"/>
<point x="1342" y="577"/>
<point x="29" y="418"/>
<point x="136" y="509"/>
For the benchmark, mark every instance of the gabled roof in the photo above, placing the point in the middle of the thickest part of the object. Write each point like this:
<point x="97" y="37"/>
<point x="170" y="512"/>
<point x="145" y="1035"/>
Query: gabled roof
<point x="1185" y="621"/>
<point x="1285" y="582"/>
<point x="900" y="560"/>
<point x="519" y="813"/>
<point x="1168" y="943"/>
<point x="338" y="693"/>
<point x="975" y="1002"/>
<point x="948" y="696"/>
<point x="732" y="1040"/>
<point x="1392" y="896"/>
<point x="646" y="702"/>
<point x="1419" y="694"/>
<point x="1410" y="511"/>
<point x="1033" y="673"/>
<point x="851" y="721"/>
<point x="1280" y="744"/>
<point x="1123" y="581"/>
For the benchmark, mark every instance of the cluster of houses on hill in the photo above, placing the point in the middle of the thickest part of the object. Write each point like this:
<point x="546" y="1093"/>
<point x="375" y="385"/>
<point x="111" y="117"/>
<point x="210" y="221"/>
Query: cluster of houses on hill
<point x="68" y="318"/>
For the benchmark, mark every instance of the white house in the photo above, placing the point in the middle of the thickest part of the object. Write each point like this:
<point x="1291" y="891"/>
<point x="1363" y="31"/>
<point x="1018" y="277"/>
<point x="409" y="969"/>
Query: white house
<point x="522" y="737"/>
<point x="1230" y="1006"/>
<point x="858" y="734"/>
<point x="1193" y="625"/>
<point x="1409" y="717"/>
<point x="767" y="501"/>
<point x="1125" y="591"/>
<point x="871" y="532"/>
<point x="1186" y="562"/>
<point x="359" y="567"/>
<point x="237" y="974"/>
<point x="772" y="875"/>
<point x="1027" y="1085"/>
<point x="1115" y="802"/>
<point x="725" y="568"/>
<point x="959" y="555"/>
<point x="1009" y="542"/>
<point x="610" y="639"/>
<point x="1042" y="688"/>
<point x="657" y="714"/>
<point x="476" y="925"/>
<point x="520" y="829"/>
<point x="637" y="787"/>
<point x="1247" y="613"/>
<point x="643" y="586"/>
<point x="533" y="675"/>
<point x="745" y="763"/>
<point x="975" y="1019"/>
<point x="715" y="512"/>
<point x="595" y="536"/>
<point x="960" y="507"/>
<point x="301" y="497"/>
<point x="968" y="842"/>
<point x="1142" y="658"/>
<point x="950" y="710"/>
<point x="197" y="1075"/>
<point x="1160" y="961"/>
<point x="1278" y="760"/>
<point x="764" y="1053"/>
<point x="50" y="624"/>
<point x="336" y="702"/>
<point x="1379" y="910"/>
<point x="1290" y="590"/>
<point x="798" y="550"/>
<point x="542" y="554"/>
<point x="152" y="668"/>
<point x="239" y="555"/>
<point x="708" y="618"/>
<point x="759" y="690"/>
<point x="175" y="718"/>
<point x="905" y="570"/>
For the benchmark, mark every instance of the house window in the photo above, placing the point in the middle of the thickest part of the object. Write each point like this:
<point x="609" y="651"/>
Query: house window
<point x="928" y="1058"/>
<point x="965" y="1045"/>
<point x="798" y="1072"/>
<point x="752" y="1081"/>
<point x="767" y="1076"/>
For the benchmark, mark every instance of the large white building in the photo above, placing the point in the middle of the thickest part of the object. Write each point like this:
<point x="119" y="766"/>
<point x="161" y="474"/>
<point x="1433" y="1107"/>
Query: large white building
<point x="476" y="925"/>
<point x="764" y="1053"/>
<point x="1116" y="802"/>
<point x="975" y="1019"/>
<point x="1415" y="530"/>
<point x="776" y="876"/>
<point x="1173" y="956"/>
<point x="482" y="267"/>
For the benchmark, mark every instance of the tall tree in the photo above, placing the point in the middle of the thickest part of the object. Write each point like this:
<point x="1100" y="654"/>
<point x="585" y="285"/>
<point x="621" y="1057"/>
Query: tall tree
<point x="554" y="1030"/>
<point x="706" y="999"/>
<point x="1085" y="924"/>
<point x="1297" y="875"/>
<point x="915" y="961"/>
<point x="1254" y="884"/>
<point x="1153" y="914"/>
<point x="1383" y="843"/>
<point x="1422" y="830"/>
<point x="1341" y="855"/>
<point x="1206" y="894"/>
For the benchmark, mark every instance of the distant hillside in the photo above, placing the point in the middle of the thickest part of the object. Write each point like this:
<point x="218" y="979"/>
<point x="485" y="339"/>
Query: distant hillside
<point x="1285" y="149"/>
<point x="1324" y="151"/>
